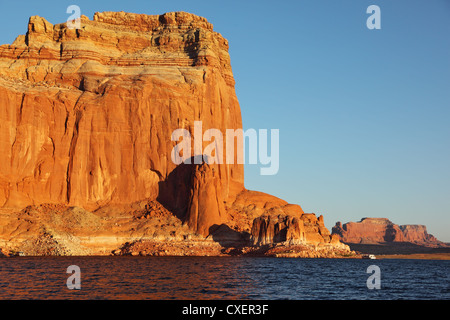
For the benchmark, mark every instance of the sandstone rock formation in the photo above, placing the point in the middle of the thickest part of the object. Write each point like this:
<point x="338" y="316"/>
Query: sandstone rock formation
<point x="206" y="207"/>
<point x="382" y="230"/>
<point x="270" y="229"/>
<point x="302" y="229"/>
<point x="86" y="123"/>
<point x="88" y="114"/>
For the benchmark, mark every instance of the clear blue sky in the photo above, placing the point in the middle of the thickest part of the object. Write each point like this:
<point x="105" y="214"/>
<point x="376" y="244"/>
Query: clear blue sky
<point x="364" y="115"/>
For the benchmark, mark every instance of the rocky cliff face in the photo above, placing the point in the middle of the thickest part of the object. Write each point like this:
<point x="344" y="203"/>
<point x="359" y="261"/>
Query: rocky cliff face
<point x="88" y="114"/>
<point x="380" y="230"/>
<point x="306" y="228"/>
<point x="86" y="121"/>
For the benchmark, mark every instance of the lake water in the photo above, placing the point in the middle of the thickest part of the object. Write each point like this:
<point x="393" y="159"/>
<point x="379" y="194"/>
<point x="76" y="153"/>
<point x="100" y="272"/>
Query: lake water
<point x="207" y="278"/>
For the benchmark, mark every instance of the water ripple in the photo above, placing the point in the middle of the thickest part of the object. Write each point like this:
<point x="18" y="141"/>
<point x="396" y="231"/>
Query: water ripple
<point x="221" y="278"/>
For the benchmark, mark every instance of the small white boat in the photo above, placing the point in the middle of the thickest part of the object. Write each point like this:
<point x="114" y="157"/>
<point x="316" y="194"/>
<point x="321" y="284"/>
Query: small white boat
<point x="369" y="256"/>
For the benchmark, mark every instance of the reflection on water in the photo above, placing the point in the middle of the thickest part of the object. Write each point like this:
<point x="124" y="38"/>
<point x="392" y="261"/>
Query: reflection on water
<point x="221" y="278"/>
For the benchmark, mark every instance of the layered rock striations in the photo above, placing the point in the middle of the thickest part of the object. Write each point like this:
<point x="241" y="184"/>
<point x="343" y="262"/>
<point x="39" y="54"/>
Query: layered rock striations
<point x="87" y="115"/>
<point x="86" y="123"/>
<point x="382" y="230"/>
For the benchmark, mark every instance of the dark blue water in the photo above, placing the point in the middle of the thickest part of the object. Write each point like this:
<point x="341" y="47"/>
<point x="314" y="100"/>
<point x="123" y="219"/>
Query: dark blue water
<point x="222" y="278"/>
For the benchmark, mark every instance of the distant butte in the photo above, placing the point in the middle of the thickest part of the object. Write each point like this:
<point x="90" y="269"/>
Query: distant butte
<point x="382" y="230"/>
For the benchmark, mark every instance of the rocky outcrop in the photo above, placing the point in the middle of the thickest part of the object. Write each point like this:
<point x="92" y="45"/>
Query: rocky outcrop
<point x="269" y="219"/>
<point x="206" y="208"/>
<point x="273" y="229"/>
<point x="382" y="230"/>
<point x="295" y="230"/>
<point x="86" y="123"/>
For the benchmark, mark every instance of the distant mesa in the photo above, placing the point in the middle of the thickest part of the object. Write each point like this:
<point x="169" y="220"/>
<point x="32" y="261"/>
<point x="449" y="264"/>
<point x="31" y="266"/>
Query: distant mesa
<point x="382" y="230"/>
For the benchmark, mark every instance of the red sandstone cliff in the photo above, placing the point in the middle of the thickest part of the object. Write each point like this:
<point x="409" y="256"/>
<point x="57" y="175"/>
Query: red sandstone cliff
<point x="382" y="230"/>
<point x="86" y="118"/>
<point x="88" y="114"/>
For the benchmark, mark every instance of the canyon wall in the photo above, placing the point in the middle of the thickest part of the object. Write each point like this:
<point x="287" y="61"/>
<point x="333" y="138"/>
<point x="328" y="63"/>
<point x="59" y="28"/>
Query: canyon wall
<point x="87" y="115"/>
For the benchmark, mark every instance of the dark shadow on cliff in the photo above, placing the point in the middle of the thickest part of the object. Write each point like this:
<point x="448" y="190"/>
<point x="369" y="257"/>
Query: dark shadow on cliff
<point x="228" y="237"/>
<point x="390" y="234"/>
<point x="175" y="190"/>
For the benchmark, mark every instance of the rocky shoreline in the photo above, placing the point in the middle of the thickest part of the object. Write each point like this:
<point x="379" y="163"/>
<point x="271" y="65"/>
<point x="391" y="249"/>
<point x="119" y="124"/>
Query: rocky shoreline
<point x="147" y="229"/>
<point x="155" y="249"/>
<point x="281" y="250"/>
